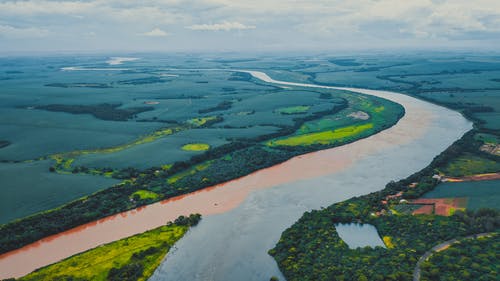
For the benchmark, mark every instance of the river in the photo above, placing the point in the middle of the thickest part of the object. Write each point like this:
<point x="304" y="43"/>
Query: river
<point x="245" y="217"/>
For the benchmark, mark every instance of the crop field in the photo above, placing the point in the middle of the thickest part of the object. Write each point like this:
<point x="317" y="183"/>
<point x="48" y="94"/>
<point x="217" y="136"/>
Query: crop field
<point x="407" y="208"/>
<point x="479" y="194"/>
<point x="31" y="188"/>
<point x="299" y="109"/>
<point x="469" y="164"/>
<point x="442" y="206"/>
<point x="487" y="138"/>
<point x="324" y="138"/>
<point x="146" y="250"/>
<point x="196" y="147"/>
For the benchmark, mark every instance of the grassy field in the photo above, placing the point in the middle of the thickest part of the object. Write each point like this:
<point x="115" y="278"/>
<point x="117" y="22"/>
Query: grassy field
<point x="486" y="138"/>
<point x="469" y="164"/>
<point x="323" y="138"/>
<point x="299" y="109"/>
<point x="196" y="147"/>
<point x="201" y="120"/>
<point x="145" y="250"/>
<point x="145" y="194"/>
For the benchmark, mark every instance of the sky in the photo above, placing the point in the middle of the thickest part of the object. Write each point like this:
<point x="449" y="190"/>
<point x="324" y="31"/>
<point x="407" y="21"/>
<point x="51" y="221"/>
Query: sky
<point x="247" y="25"/>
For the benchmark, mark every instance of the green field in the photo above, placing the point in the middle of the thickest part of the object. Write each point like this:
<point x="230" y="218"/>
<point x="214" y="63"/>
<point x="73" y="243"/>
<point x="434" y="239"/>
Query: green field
<point x="486" y="138"/>
<point x="324" y="138"/>
<point x="299" y="109"/>
<point x="137" y="255"/>
<point x="196" y="147"/>
<point x="479" y="194"/>
<point x="200" y="121"/>
<point x="469" y="164"/>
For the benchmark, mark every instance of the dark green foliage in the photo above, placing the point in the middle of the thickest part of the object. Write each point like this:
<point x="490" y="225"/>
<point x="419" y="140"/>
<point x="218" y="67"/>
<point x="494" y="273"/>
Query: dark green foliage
<point x="345" y="62"/>
<point x="191" y="220"/>
<point x="79" y="85"/>
<point x="142" y="254"/>
<point x="128" y="272"/>
<point x="143" y="81"/>
<point x="472" y="259"/>
<point x="104" y="111"/>
<point x="325" y="96"/>
<point x="225" y="105"/>
<point x="4" y="143"/>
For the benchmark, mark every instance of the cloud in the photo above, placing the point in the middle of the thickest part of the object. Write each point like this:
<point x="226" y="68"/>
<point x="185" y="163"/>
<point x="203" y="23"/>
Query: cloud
<point x="321" y="24"/>
<point x="16" y="32"/>
<point x="223" y="26"/>
<point x="155" y="33"/>
<point x="45" y="7"/>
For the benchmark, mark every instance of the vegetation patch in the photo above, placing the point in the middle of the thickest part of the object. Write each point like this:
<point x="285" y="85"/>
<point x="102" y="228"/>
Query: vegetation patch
<point x="225" y="105"/>
<point x="103" y="111"/>
<point x="132" y="258"/>
<point x="345" y="62"/>
<point x="196" y="147"/>
<point x="4" y="143"/>
<point x="144" y="194"/>
<point x="143" y="81"/>
<point x="201" y="121"/>
<point x="79" y="85"/>
<point x="469" y="164"/>
<point x="486" y="138"/>
<point x="323" y="138"/>
<point x="299" y="109"/>
<point x="192" y="171"/>
<point x="388" y="242"/>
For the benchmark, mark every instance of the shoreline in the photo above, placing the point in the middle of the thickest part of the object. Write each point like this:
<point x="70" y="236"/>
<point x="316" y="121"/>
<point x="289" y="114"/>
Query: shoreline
<point x="223" y="197"/>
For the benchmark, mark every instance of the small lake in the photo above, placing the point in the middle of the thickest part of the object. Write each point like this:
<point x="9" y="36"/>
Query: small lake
<point x="359" y="235"/>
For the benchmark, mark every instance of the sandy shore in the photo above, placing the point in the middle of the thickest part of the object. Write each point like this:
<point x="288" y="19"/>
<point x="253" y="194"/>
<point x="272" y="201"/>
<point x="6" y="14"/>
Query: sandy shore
<point x="223" y="197"/>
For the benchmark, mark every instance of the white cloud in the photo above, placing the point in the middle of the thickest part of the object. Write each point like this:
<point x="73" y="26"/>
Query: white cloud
<point x="16" y="32"/>
<point x="224" y="26"/>
<point x="45" y="7"/>
<point x="321" y="23"/>
<point x="155" y="33"/>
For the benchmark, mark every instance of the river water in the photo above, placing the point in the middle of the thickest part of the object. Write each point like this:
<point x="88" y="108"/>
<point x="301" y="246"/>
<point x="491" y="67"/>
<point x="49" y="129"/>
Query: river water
<point x="244" y="218"/>
<point x="233" y="245"/>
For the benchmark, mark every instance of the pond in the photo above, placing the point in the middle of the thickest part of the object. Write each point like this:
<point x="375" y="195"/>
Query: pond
<point x="359" y="235"/>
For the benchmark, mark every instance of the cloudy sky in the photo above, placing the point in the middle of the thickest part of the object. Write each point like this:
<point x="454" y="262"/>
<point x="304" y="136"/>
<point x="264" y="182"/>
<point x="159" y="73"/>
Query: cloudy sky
<point x="247" y="25"/>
